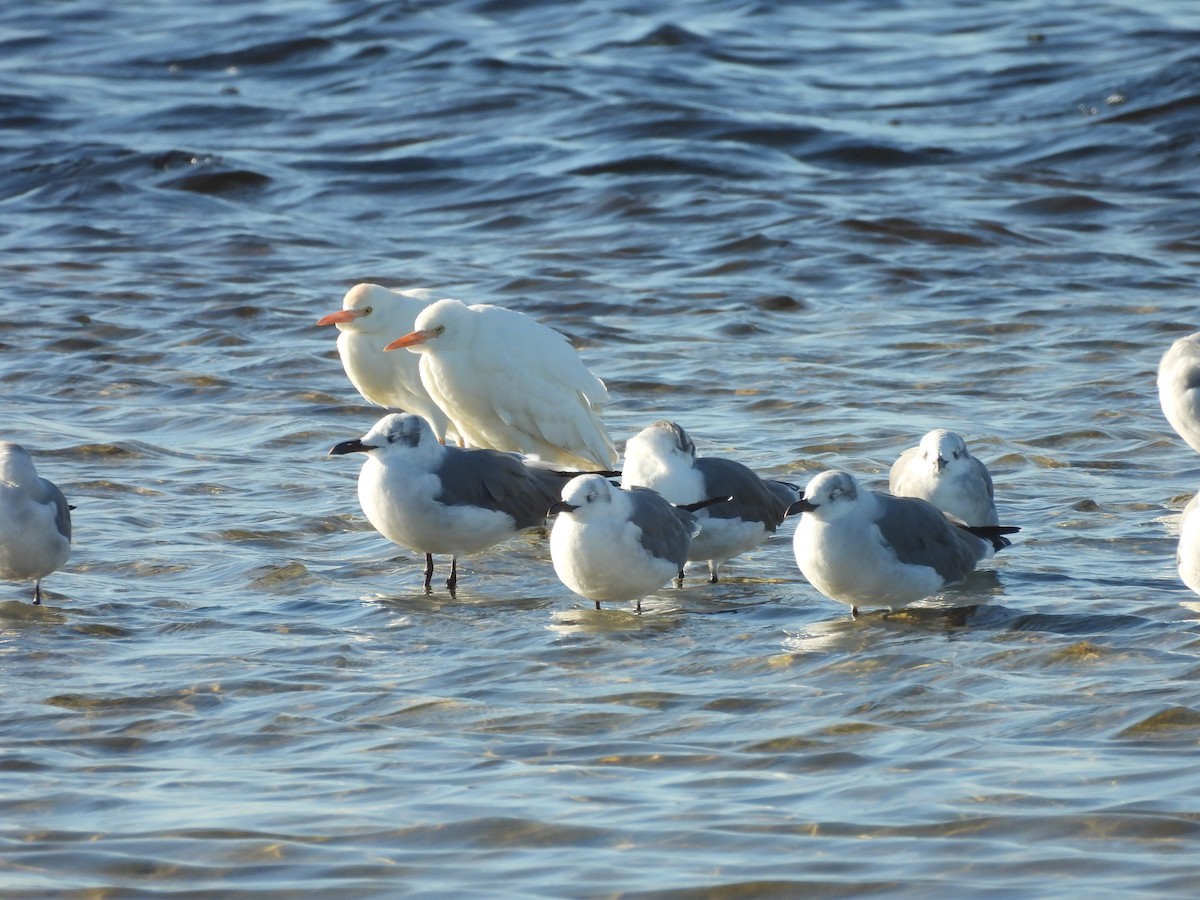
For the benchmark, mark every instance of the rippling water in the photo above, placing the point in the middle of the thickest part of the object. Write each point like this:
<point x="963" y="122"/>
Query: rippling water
<point x="807" y="233"/>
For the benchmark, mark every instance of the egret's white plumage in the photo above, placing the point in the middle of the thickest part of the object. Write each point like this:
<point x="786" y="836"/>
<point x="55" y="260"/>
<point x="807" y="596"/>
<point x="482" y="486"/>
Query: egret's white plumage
<point x="432" y="498"/>
<point x="369" y="318"/>
<point x="508" y="382"/>
<point x="866" y="548"/>
<point x="663" y="457"/>
<point x="613" y="544"/>
<point x="941" y="470"/>
<point x="35" y="521"/>
<point x="1179" y="388"/>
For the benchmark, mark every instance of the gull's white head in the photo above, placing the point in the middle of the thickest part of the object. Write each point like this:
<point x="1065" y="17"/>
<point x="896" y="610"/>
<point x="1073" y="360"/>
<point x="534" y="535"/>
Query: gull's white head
<point x="661" y="456"/>
<point x="941" y="448"/>
<point x="442" y="325"/>
<point x="830" y="495"/>
<point x="663" y="440"/>
<point x="16" y="465"/>
<point x="588" y="497"/>
<point x="395" y="434"/>
<point x="372" y="309"/>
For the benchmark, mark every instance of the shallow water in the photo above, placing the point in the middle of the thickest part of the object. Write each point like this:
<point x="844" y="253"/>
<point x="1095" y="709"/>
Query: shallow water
<point x="808" y="235"/>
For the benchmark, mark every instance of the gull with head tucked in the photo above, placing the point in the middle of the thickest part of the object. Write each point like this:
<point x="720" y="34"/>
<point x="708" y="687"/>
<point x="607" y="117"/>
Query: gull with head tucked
<point x="1179" y="387"/>
<point x="663" y="457"/>
<point x="35" y="521"/>
<point x="431" y="498"/>
<point x="941" y="470"/>
<point x="863" y="547"/>
<point x="370" y="317"/>
<point x="507" y="382"/>
<point x="1187" y="554"/>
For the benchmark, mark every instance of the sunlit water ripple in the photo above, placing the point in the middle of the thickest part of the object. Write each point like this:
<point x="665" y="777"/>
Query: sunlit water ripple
<point x="808" y="235"/>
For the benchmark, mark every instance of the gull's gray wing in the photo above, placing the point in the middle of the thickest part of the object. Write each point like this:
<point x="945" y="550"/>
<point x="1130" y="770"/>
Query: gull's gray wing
<point x="897" y="474"/>
<point x="62" y="513"/>
<point x="754" y="500"/>
<point x="666" y="530"/>
<point x="491" y="479"/>
<point x="920" y="534"/>
<point x="981" y="472"/>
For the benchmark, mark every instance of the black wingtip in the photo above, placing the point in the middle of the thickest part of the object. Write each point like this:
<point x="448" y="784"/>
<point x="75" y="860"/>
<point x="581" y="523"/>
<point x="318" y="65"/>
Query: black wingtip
<point x="701" y="504"/>
<point x="994" y="534"/>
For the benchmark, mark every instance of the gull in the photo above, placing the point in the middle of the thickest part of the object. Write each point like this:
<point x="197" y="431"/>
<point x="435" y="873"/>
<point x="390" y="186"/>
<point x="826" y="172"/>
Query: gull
<point x="1179" y="388"/>
<point x="616" y="544"/>
<point x="663" y="457"/>
<point x="370" y="317"/>
<point x="1187" y="556"/>
<point x="433" y="498"/>
<point x="35" y="521"/>
<point x="941" y="470"/>
<point x="864" y="547"/>
<point x="507" y="382"/>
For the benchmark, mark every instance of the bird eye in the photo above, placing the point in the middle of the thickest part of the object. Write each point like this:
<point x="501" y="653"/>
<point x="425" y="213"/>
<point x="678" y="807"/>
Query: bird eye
<point x="439" y="329"/>
<point x="367" y="311"/>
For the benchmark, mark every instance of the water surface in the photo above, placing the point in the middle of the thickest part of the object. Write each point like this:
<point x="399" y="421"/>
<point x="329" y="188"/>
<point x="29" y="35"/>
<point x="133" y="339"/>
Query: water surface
<point x="806" y="233"/>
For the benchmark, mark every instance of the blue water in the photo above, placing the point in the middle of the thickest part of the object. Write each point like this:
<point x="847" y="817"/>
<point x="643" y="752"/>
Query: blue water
<point x="808" y="233"/>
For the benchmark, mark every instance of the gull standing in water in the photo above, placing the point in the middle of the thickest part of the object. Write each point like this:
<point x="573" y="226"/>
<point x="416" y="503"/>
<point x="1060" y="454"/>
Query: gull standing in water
<point x="431" y="498"/>
<point x="862" y="547"/>
<point x="35" y="521"/>
<point x="941" y="470"/>
<point x="1187" y="556"/>
<point x="613" y="544"/>
<point x="507" y="382"/>
<point x="663" y="457"/>
<point x="1179" y="388"/>
<point x="1179" y="394"/>
<point x="370" y="317"/>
